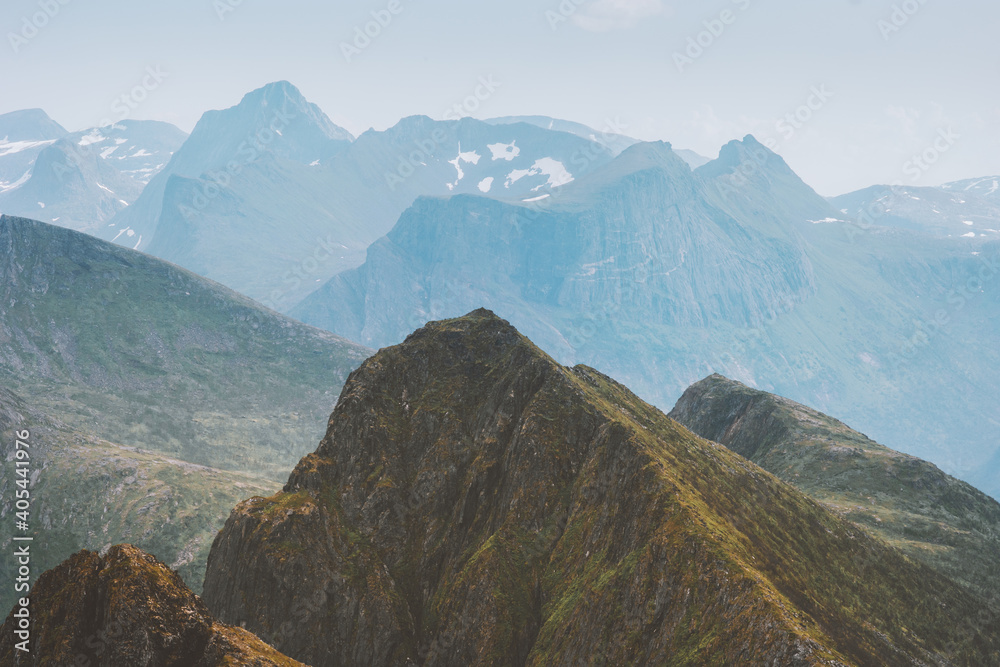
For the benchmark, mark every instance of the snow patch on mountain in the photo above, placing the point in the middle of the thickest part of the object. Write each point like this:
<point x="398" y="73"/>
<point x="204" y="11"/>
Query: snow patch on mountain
<point x="95" y="137"/>
<point x="504" y="151"/>
<point x="486" y="184"/>
<point x="11" y="147"/>
<point x="4" y="186"/>
<point x="555" y="170"/>
<point x="470" y="157"/>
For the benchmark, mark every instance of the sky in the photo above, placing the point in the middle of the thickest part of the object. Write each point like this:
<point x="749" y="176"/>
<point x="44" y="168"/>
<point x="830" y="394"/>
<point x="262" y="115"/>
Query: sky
<point x="852" y="92"/>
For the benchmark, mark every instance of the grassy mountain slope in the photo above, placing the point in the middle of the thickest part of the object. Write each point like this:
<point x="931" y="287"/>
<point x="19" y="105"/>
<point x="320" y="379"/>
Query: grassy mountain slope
<point x="474" y="502"/>
<point x="144" y="354"/>
<point x="932" y="517"/>
<point x="89" y="494"/>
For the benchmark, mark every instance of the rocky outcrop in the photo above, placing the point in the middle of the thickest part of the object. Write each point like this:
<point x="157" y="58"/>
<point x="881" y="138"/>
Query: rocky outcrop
<point x="126" y="608"/>
<point x="474" y="502"/>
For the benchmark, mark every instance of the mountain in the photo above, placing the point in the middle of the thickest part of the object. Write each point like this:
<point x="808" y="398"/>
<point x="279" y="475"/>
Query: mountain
<point x="23" y="134"/>
<point x="615" y="142"/>
<point x="82" y="180"/>
<point x="73" y="190"/>
<point x="89" y="493"/>
<point x="29" y="125"/>
<point x="126" y="608"/>
<point x="551" y="258"/>
<point x="275" y="119"/>
<point x="139" y="149"/>
<point x="932" y="517"/>
<point x="960" y="210"/>
<point x="661" y="275"/>
<point x="988" y="187"/>
<point x="474" y="502"/>
<point x="306" y="217"/>
<point x="141" y="353"/>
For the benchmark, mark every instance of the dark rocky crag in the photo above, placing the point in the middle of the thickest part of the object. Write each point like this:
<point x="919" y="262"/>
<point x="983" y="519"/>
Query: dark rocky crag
<point x="474" y="502"/>
<point x="127" y="608"/>
<point x="932" y="517"/>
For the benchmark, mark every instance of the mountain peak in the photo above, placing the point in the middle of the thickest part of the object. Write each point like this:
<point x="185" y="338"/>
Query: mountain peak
<point x="738" y="150"/>
<point x="282" y="105"/>
<point x="480" y="331"/>
<point x="473" y="502"/>
<point x="29" y="125"/>
<point x="127" y="608"/>
<point x="275" y="92"/>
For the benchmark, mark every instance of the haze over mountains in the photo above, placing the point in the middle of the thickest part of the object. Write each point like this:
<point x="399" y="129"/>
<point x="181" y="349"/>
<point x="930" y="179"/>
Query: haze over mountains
<point x="465" y="474"/>
<point x="966" y="209"/>
<point x="272" y="199"/>
<point x="78" y="180"/>
<point x="272" y="182"/>
<point x="661" y="275"/>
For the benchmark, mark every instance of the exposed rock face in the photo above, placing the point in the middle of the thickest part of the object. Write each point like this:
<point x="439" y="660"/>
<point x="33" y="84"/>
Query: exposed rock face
<point x="473" y="502"/>
<point x="933" y="517"/>
<point x="127" y="608"/>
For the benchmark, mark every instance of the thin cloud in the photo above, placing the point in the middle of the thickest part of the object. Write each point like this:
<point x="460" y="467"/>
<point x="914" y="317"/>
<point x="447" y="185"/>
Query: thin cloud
<point x="607" y="15"/>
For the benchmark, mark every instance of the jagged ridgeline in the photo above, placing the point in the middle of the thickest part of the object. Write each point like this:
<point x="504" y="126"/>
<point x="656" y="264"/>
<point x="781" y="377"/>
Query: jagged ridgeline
<point x="474" y="502"/>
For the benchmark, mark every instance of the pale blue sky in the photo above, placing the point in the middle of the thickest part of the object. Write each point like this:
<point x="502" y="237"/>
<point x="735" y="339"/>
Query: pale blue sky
<point x="611" y="59"/>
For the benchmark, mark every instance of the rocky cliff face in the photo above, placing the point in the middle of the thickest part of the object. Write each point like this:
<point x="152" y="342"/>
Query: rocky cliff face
<point x="933" y="517"/>
<point x="126" y="608"/>
<point x="474" y="502"/>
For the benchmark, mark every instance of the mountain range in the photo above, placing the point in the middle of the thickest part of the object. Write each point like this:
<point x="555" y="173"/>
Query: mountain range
<point x="661" y="275"/>
<point x="273" y="182"/>
<point x="966" y="209"/>
<point x="78" y="180"/>
<point x="474" y="502"/>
